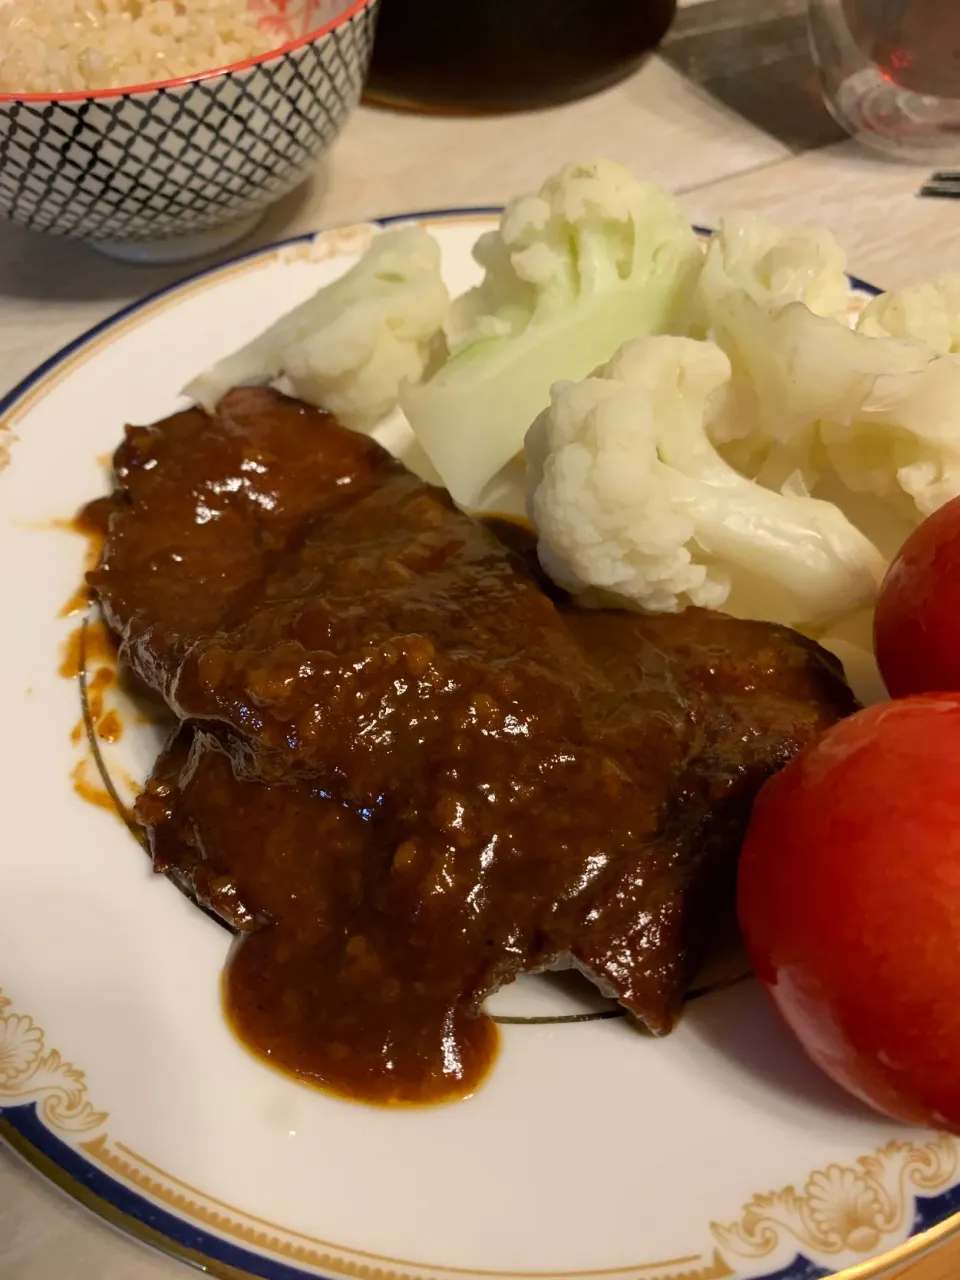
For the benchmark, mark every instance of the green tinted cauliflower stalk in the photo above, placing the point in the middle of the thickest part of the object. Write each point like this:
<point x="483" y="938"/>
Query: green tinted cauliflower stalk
<point x="595" y="258"/>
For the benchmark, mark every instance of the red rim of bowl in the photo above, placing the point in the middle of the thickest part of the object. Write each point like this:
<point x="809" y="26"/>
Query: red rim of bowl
<point x="86" y="95"/>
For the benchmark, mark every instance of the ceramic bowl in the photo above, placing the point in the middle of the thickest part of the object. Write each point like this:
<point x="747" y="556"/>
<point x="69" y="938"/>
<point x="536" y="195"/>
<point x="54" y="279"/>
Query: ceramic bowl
<point x="501" y="55"/>
<point x="168" y="171"/>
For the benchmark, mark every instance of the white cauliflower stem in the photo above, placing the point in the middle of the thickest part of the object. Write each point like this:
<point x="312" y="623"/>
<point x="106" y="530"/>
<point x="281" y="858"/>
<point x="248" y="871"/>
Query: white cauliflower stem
<point x="633" y="504"/>
<point x="596" y="258"/>
<point x="348" y="348"/>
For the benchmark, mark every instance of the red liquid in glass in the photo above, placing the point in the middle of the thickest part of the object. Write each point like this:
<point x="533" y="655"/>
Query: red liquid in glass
<point x="915" y="44"/>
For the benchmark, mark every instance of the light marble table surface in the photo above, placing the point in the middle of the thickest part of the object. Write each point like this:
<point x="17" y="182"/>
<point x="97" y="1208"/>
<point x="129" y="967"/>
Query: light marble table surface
<point x="662" y="124"/>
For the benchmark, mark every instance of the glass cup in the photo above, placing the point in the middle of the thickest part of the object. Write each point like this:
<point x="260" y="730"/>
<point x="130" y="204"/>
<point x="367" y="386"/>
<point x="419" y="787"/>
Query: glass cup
<point x="890" y="71"/>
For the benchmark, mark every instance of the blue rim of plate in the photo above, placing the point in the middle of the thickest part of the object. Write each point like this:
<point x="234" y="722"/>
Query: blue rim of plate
<point x="21" y="1126"/>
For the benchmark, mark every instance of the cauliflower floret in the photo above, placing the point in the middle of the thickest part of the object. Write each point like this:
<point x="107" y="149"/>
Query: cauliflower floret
<point x="811" y="397"/>
<point x="792" y="367"/>
<point x="349" y="347"/>
<point x="633" y="504"/>
<point x="596" y="258"/>
<point x="903" y="440"/>
<point x="773" y="266"/>
<point x="928" y="312"/>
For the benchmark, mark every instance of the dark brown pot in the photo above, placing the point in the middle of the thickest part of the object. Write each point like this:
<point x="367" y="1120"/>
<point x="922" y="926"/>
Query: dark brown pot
<point x="504" y="55"/>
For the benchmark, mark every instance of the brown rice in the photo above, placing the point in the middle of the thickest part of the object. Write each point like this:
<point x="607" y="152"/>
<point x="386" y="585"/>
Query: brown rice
<point x="63" y="46"/>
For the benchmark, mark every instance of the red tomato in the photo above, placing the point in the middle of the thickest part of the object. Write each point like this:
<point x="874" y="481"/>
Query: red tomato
<point x="849" y="903"/>
<point x="916" y="628"/>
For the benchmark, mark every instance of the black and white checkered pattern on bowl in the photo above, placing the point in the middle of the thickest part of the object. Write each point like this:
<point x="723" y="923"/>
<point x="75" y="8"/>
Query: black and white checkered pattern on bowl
<point x="177" y="161"/>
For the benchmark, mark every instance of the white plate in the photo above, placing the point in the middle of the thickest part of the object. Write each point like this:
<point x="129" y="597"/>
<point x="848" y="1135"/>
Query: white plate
<point x="591" y="1150"/>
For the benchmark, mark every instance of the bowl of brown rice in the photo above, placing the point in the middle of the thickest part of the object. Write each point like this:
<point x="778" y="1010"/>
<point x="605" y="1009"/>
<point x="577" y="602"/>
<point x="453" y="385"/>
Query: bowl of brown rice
<point x="160" y="130"/>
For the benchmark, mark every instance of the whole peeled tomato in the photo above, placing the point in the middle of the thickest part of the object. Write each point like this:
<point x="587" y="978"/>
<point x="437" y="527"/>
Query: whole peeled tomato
<point x="849" y="903"/>
<point x="917" y="623"/>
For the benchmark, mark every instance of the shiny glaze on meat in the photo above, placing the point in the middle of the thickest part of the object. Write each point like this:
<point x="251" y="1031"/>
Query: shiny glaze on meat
<point x="406" y="773"/>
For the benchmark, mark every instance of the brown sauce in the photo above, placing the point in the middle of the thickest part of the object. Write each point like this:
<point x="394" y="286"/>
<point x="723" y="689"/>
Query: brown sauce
<point x="109" y="727"/>
<point x="89" y="523"/>
<point x="87" y="644"/>
<point x="97" y="685"/>
<point x="92" y="649"/>
<point x="79" y="602"/>
<point x="306" y="988"/>
<point x="72" y="655"/>
<point x="87" y="785"/>
<point x="408" y="769"/>
<point x="358" y="1065"/>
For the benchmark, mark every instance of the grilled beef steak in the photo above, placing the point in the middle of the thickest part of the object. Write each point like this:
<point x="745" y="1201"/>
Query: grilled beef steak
<point x="406" y="772"/>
